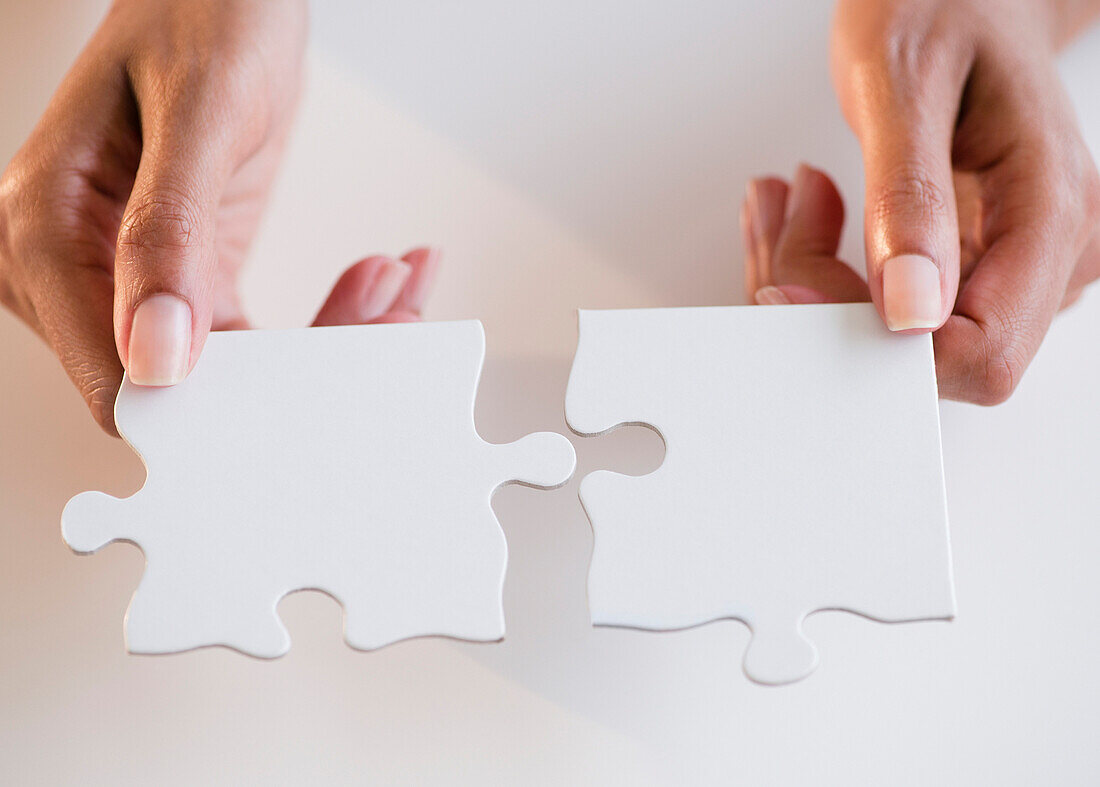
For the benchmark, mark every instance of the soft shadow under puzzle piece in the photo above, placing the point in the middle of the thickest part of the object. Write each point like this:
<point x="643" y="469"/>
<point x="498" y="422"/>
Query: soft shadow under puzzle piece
<point x="802" y="472"/>
<point x="339" y="459"/>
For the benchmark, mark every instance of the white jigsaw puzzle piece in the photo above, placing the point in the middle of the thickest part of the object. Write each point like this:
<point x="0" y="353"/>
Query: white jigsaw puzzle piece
<point x="340" y="459"/>
<point x="802" y="472"/>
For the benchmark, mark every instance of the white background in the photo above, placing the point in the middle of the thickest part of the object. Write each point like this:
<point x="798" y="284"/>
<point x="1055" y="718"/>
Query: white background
<point x="567" y="154"/>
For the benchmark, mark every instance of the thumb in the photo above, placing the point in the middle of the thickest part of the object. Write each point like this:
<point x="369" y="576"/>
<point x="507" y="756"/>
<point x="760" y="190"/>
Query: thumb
<point x="905" y="125"/>
<point x="163" y="278"/>
<point x="911" y="224"/>
<point x="165" y="259"/>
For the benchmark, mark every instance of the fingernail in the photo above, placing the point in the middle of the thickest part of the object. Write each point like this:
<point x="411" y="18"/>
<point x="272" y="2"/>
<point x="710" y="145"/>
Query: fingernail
<point x="911" y="293"/>
<point x="771" y="296"/>
<point x="160" y="341"/>
<point x="752" y="201"/>
<point x="766" y="220"/>
<point x="798" y="188"/>
<point x="384" y="287"/>
<point x="420" y="283"/>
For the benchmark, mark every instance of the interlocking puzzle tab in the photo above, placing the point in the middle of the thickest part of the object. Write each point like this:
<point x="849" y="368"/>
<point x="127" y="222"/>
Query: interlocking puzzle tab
<point x="802" y="472"/>
<point x="339" y="459"/>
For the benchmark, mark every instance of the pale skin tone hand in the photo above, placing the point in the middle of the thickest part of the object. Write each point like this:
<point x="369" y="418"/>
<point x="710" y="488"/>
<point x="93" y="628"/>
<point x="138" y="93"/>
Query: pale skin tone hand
<point x="126" y="216"/>
<point x="982" y="201"/>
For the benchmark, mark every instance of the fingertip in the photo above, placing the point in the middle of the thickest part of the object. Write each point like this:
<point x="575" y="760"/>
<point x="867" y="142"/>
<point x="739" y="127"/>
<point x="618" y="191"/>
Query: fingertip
<point x="365" y="291"/>
<point x="103" y="411"/>
<point x="764" y="209"/>
<point x="751" y="277"/>
<point x="816" y="200"/>
<point x="974" y="365"/>
<point x="422" y="253"/>
<point x="75" y="314"/>
<point x="767" y="198"/>
<point x="785" y="294"/>
<point x="802" y="176"/>
<point x="397" y="316"/>
<point x="425" y="266"/>
<point x="771" y="296"/>
<point x="805" y="256"/>
<point x="380" y="291"/>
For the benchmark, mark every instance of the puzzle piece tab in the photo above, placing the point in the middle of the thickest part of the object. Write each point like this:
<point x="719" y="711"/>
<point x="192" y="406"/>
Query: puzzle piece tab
<point x="802" y="472"/>
<point x="340" y="459"/>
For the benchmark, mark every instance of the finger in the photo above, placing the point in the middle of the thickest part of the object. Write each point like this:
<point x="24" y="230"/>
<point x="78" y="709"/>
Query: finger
<point x="1004" y="310"/>
<point x="806" y="252"/>
<point x="903" y="111"/>
<point x="74" y="315"/>
<point x="763" y="209"/>
<point x="1085" y="272"/>
<point x="59" y="224"/>
<point x="365" y="292"/>
<point x="424" y="262"/>
<point x="968" y="200"/>
<point x="227" y="313"/>
<point x="748" y="244"/>
<point x="790" y="293"/>
<point x="396" y="316"/>
<point x="164" y="266"/>
<point x="68" y="293"/>
<point x="194" y="132"/>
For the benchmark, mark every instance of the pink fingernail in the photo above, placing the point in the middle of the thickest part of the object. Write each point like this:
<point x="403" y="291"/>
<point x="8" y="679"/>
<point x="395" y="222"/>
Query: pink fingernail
<point x="771" y="296"/>
<point x="160" y="341"/>
<point x="384" y="287"/>
<point x="911" y="293"/>
<point x="765" y="210"/>
<point x="798" y="186"/>
<point x="756" y="211"/>
<point x="416" y="291"/>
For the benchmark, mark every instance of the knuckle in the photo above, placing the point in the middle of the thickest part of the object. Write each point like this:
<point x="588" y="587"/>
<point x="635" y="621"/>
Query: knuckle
<point x="222" y="84"/>
<point x="1074" y="191"/>
<point x="47" y="224"/>
<point x="1062" y="182"/>
<point x="905" y="52"/>
<point x="1090" y="198"/>
<point x="220" y="73"/>
<point x="910" y="193"/>
<point x="13" y="204"/>
<point x="902" y="47"/>
<point x="156" y="224"/>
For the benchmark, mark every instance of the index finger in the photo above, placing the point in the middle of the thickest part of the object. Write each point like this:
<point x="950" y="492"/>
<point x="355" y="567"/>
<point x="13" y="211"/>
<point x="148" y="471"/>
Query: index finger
<point x="1006" y="306"/>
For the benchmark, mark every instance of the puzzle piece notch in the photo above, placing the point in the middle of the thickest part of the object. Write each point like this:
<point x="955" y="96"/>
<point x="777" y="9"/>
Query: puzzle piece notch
<point x="543" y="460"/>
<point x="770" y="503"/>
<point x="350" y="493"/>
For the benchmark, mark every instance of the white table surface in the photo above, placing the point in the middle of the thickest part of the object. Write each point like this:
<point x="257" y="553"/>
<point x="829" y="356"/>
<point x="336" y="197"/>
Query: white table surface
<point x="568" y="154"/>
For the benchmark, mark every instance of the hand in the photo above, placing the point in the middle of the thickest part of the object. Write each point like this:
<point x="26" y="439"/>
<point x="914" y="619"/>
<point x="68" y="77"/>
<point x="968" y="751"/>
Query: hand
<point x="982" y="199"/>
<point x="126" y="216"/>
